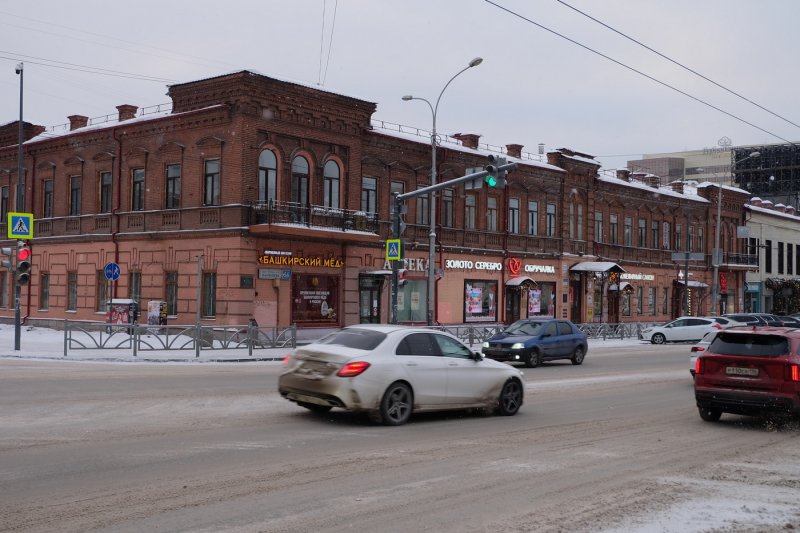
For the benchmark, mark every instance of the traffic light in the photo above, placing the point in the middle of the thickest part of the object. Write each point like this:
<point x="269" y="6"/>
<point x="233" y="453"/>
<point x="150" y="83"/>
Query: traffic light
<point x="8" y="258"/>
<point x="23" y="267"/>
<point x="401" y="277"/>
<point x="496" y="178"/>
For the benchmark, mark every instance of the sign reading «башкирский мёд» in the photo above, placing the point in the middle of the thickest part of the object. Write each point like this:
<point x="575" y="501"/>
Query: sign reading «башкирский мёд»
<point x="289" y="261"/>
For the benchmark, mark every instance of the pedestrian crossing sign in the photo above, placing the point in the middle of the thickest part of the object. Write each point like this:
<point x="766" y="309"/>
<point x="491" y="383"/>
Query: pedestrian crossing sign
<point x="394" y="250"/>
<point x="20" y="225"/>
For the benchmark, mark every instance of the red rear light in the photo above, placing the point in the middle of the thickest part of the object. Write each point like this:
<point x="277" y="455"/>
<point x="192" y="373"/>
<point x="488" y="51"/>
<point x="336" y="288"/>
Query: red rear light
<point x="718" y="326"/>
<point x="286" y="360"/>
<point x="352" y="369"/>
<point x="697" y="349"/>
<point x="699" y="365"/>
<point x="793" y="373"/>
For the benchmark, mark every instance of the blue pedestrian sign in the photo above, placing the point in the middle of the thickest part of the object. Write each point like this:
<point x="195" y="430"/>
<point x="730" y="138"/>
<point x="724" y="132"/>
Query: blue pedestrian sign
<point x="20" y="225"/>
<point x="112" y="271"/>
<point x="394" y="250"/>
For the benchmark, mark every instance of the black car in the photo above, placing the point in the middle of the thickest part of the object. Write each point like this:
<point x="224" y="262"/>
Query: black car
<point x="533" y="341"/>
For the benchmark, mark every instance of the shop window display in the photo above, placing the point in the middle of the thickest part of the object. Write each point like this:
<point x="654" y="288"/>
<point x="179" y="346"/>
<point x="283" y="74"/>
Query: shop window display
<point x="480" y="301"/>
<point x="315" y="299"/>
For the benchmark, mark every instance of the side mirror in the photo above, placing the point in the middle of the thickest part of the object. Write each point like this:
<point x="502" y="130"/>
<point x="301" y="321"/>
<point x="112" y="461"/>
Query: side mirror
<point x="477" y="356"/>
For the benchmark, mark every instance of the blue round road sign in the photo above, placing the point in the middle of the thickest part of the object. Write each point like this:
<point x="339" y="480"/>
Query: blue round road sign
<point x="112" y="271"/>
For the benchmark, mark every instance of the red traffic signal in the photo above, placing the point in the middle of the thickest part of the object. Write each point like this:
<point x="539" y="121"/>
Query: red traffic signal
<point x="23" y="266"/>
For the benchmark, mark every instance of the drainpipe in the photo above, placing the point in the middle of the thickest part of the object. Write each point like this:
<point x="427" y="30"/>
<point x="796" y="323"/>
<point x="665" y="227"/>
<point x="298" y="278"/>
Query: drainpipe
<point x="114" y="210"/>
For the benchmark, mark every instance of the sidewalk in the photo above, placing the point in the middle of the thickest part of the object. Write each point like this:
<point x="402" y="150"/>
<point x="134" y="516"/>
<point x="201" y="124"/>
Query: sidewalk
<point x="43" y="343"/>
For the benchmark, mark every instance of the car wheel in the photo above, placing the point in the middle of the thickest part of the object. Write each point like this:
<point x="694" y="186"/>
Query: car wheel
<point x="534" y="359"/>
<point x="708" y="414"/>
<point x="658" y="338"/>
<point x="510" y="398"/>
<point x="396" y="405"/>
<point x="578" y="355"/>
<point x="315" y="408"/>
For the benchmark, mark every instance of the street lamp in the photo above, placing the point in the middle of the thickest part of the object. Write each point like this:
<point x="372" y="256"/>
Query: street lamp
<point x="717" y="253"/>
<point x="432" y="236"/>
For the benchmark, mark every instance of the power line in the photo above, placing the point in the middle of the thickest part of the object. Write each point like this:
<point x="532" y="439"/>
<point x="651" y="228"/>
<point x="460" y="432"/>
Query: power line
<point x="330" y="43"/>
<point x="679" y="64"/>
<point x="588" y="48"/>
<point x="81" y="68"/>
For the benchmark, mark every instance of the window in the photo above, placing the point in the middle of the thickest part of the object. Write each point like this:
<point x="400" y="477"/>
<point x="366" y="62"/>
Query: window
<point x="469" y="211"/>
<point x="780" y="257"/>
<point x="678" y="237"/>
<point x="651" y="300"/>
<point x="447" y="208"/>
<point x="211" y="183"/>
<point x="768" y="256"/>
<point x="300" y="181"/>
<point x="102" y="284"/>
<point x="598" y="226"/>
<point x="571" y="221"/>
<point x="4" y="284"/>
<point x="666" y="230"/>
<point x="654" y="234"/>
<point x="491" y="213"/>
<point x="613" y="229"/>
<point x="533" y="218"/>
<point x="580" y="222"/>
<point x="209" y="295"/>
<point x="423" y="210"/>
<point x="135" y="286"/>
<point x="417" y="344"/>
<point x="44" y="291"/>
<point x="75" y="196"/>
<point x="171" y="293"/>
<point x="72" y="291"/>
<point x="480" y="301"/>
<point x="701" y="240"/>
<point x="369" y="195"/>
<point x="665" y="301"/>
<point x="452" y="348"/>
<point x="690" y="238"/>
<point x="642" y="233"/>
<point x="105" y="192"/>
<point x="550" y="220"/>
<point x="330" y="185"/>
<point x="47" y="198"/>
<point x="627" y="232"/>
<point x="173" y="187"/>
<point x="137" y="189"/>
<point x="797" y="257"/>
<point x="789" y="259"/>
<point x="4" y="203"/>
<point x="513" y="215"/>
<point x="267" y="177"/>
<point x="626" y="303"/>
<point x="639" y="300"/>
<point x="316" y="299"/>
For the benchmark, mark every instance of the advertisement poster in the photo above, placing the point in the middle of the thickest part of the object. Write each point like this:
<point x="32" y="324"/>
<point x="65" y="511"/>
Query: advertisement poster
<point x="534" y="302"/>
<point x="415" y="301"/>
<point x="474" y="300"/>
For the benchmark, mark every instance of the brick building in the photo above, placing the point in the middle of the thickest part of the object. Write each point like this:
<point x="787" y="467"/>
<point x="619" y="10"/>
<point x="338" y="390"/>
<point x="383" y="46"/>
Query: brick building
<point x="259" y="198"/>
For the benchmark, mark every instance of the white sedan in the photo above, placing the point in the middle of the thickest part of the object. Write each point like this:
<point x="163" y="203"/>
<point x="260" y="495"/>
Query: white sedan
<point x="687" y="328"/>
<point x="391" y="371"/>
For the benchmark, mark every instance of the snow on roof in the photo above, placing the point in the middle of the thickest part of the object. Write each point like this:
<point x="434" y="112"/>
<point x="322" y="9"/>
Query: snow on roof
<point x="726" y="187"/>
<point x="770" y="211"/>
<point x="689" y="192"/>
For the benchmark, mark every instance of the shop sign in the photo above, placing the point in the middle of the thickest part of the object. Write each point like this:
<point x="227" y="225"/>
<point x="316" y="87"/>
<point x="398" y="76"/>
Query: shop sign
<point x="469" y="265"/>
<point x="637" y="276"/>
<point x="514" y="265"/>
<point x="410" y="263"/>
<point x="274" y="273"/>
<point x="283" y="260"/>
<point x="541" y="269"/>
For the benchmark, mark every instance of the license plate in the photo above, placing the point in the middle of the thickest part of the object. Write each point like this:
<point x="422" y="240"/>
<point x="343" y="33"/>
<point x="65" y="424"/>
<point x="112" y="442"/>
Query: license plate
<point x="739" y="371"/>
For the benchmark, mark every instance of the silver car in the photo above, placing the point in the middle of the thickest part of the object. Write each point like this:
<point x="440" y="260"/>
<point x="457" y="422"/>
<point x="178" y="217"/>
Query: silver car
<point x="391" y="371"/>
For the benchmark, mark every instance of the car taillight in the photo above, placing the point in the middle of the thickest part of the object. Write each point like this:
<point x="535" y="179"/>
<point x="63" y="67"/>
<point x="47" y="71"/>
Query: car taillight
<point x="793" y="373"/>
<point x="352" y="369"/>
<point x="717" y="326"/>
<point x="699" y="366"/>
<point x="286" y="360"/>
<point x="697" y="349"/>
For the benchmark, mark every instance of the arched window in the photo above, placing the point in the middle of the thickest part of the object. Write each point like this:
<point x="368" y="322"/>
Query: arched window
<point x="300" y="181"/>
<point x="331" y="185"/>
<point x="267" y="177"/>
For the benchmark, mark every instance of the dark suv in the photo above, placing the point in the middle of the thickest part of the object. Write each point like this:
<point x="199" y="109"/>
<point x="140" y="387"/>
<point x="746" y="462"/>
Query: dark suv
<point x="749" y="371"/>
<point x="533" y="341"/>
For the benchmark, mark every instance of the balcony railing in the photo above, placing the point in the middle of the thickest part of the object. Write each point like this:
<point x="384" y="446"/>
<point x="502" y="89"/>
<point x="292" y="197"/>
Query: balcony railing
<point x="314" y="216"/>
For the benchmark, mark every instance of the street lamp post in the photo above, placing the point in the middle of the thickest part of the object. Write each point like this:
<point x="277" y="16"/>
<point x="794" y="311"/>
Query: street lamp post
<point x="716" y="255"/>
<point x="432" y="235"/>
<point x="19" y="205"/>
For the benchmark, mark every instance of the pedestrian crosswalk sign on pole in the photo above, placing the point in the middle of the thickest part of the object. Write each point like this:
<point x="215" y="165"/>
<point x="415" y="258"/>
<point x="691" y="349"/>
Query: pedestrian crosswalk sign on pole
<point x="394" y="250"/>
<point x="20" y="225"/>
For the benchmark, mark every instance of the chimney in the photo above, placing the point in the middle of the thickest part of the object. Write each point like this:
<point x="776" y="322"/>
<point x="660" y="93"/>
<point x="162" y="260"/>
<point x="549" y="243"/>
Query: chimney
<point x="779" y="207"/>
<point x="624" y="174"/>
<point x="514" y="150"/>
<point x="789" y="210"/>
<point x="541" y="148"/>
<point x="677" y="186"/>
<point x="77" y="121"/>
<point x="756" y="201"/>
<point x="652" y="180"/>
<point x="470" y="140"/>
<point x="127" y="112"/>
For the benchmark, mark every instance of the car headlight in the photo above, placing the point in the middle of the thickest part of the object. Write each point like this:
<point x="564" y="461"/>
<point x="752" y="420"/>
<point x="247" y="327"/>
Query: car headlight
<point x="518" y="346"/>
<point x="485" y="345"/>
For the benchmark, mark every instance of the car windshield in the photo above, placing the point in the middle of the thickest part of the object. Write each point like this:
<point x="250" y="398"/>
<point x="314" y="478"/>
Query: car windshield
<point x="524" y="328"/>
<point x="752" y="345"/>
<point x="356" y="338"/>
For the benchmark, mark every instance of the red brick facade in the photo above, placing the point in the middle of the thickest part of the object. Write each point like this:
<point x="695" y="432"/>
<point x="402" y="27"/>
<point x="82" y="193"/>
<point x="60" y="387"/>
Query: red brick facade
<point x="300" y="260"/>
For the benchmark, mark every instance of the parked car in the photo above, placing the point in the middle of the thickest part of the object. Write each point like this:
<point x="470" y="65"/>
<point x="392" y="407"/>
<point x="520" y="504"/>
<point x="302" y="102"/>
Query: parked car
<point x="533" y="341"/>
<point x="391" y="371"/>
<point x="683" y="329"/>
<point x="699" y="348"/>
<point x="749" y="371"/>
<point x="725" y="322"/>
<point x="749" y="319"/>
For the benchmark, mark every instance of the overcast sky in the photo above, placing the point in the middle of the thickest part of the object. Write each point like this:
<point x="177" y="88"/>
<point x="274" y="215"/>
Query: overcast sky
<point x="532" y="87"/>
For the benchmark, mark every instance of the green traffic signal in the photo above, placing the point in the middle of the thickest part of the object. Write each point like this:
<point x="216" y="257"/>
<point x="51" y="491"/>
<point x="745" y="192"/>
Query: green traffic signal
<point x="490" y="180"/>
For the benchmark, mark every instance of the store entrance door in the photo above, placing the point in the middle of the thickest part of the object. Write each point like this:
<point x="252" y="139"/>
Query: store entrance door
<point x="576" y="298"/>
<point x="513" y="297"/>
<point x="369" y="299"/>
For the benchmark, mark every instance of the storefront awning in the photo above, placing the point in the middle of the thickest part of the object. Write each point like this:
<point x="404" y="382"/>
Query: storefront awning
<point x="378" y="273"/>
<point x="695" y="284"/>
<point x="521" y="281"/>
<point x="596" y="266"/>
<point x="624" y="286"/>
